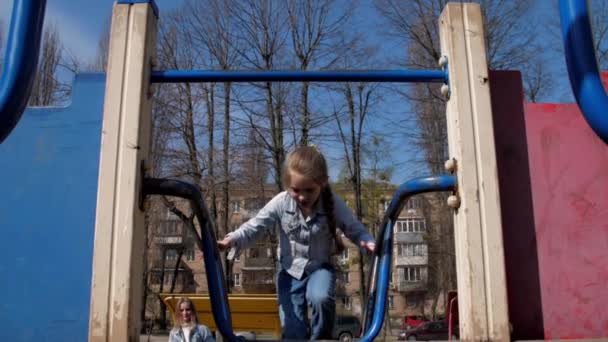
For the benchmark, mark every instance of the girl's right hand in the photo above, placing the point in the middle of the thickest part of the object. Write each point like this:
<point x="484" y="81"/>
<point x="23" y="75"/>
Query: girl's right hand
<point x="224" y="244"/>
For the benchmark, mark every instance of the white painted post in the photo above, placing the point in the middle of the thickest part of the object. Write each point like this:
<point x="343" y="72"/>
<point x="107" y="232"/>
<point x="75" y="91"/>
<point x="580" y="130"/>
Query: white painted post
<point x="482" y="293"/>
<point x="119" y="227"/>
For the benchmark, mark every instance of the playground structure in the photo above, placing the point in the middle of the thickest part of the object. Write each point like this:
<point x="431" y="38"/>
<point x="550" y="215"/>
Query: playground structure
<point x="507" y="254"/>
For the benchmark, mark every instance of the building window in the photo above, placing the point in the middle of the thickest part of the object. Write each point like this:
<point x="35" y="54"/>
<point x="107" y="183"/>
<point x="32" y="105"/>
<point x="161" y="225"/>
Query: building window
<point x="391" y="302"/>
<point x="344" y="255"/>
<point x="171" y="255"/>
<point x="237" y="280"/>
<point x="344" y="276"/>
<point x="411" y="249"/>
<point x="412" y="274"/>
<point x="411" y="300"/>
<point x="171" y="216"/>
<point x="413" y="203"/>
<point x="236" y="206"/>
<point x="253" y="252"/>
<point x="411" y="225"/>
<point x="189" y="255"/>
<point x="168" y="227"/>
<point x="346" y="303"/>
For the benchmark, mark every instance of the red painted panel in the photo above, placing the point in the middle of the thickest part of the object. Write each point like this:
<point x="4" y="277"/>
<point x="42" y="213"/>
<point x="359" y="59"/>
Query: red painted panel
<point x="569" y="177"/>
<point x="553" y="176"/>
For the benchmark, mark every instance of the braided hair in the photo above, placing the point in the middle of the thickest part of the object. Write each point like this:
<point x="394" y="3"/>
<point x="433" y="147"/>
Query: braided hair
<point x="328" y="205"/>
<point x="308" y="161"/>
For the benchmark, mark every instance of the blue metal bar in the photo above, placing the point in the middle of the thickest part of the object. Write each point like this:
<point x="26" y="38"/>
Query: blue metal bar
<point x="175" y="76"/>
<point x="582" y="65"/>
<point x="211" y="256"/>
<point x="384" y="248"/>
<point x="21" y="59"/>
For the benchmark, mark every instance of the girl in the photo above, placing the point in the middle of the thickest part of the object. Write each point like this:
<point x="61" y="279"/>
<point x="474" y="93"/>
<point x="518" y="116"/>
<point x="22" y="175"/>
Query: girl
<point x="186" y="327"/>
<point x="308" y="215"/>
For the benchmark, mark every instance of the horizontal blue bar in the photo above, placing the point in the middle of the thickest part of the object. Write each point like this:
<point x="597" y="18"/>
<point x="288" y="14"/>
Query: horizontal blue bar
<point x="397" y="76"/>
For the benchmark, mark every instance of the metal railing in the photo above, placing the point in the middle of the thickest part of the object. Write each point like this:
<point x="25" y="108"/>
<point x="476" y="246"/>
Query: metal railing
<point x="582" y="65"/>
<point x="21" y="59"/>
<point x="381" y="264"/>
<point x="208" y="243"/>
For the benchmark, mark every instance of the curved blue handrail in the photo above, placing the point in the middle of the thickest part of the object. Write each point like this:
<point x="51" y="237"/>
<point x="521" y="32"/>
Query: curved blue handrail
<point x="21" y="59"/>
<point x="582" y="65"/>
<point x="384" y="248"/>
<point x="213" y="265"/>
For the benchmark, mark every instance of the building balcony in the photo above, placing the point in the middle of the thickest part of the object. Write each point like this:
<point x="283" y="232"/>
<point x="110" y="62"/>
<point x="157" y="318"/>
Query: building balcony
<point x="170" y="233"/>
<point x="411" y="286"/>
<point x="402" y="237"/>
<point x="259" y="282"/>
<point x="258" y="263"/>
<point x="415" y="260"/>
<point x="169" y="240"/>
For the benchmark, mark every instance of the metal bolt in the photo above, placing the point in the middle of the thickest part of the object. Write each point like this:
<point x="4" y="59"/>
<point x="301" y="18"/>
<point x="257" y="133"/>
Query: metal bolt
<point x="445" y="90"/>
<point x="443" y="61"/>
<point x="450" y="165"/>
<point x="454" y="202"/>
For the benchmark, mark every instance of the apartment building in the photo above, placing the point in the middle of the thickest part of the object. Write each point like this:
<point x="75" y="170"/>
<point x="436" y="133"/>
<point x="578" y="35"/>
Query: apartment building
<point x="254" y="270"/>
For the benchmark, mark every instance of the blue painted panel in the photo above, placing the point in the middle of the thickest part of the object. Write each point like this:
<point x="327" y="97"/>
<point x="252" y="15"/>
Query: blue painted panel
<point x="48" y="170"/>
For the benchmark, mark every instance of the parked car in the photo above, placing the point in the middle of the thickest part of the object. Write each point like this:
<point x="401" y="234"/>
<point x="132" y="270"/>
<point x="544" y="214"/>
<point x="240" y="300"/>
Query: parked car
<point x="410" y="322"/>
<point x="345" y="328"/>
<point x="430" y="331"/>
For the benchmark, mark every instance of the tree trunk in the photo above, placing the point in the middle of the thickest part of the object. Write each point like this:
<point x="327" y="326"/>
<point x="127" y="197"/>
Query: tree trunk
<point x="226" y="183"/>
<point x="180" y="253"/>
<point x="163" y="307"/>
<point x="305" y="116"/>
<point x="210" y="101"/>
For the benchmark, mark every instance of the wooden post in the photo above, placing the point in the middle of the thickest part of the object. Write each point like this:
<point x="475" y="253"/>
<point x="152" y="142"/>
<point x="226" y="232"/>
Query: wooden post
<point x="482" y="294"/>
<point x="119" y="226"/>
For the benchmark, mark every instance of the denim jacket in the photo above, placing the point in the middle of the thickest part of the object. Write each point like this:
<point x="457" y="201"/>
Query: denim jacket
<point x="199" y="333"/>
<point x="305" y="243"/>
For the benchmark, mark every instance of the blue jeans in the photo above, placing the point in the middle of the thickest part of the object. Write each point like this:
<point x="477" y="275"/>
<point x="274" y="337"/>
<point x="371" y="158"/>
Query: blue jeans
<point x="318" y="290"/>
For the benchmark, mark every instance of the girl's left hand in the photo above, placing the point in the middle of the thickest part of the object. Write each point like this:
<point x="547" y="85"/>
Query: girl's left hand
<point x="369" y="246"/>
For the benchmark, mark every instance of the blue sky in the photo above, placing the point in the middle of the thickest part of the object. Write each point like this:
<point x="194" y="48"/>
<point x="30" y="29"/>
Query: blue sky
<point x="80" y="25"/>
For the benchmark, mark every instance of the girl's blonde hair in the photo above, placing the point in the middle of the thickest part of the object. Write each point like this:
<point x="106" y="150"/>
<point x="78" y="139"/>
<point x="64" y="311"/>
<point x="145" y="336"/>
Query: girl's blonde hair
<point x="178" y="316"/>
<point x="309" y="162"/>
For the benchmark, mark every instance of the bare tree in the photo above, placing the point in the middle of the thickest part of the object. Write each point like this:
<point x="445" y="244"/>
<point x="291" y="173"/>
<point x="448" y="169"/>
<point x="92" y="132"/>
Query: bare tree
<point x="212" y="28"/>
<point x="359" y="98"/>
<point x="509" y="45"/>
<point x="599" y="25"/>
<point x="539" y="81"/>
<point x="47" y="89"/>
<point x="263" y="39"/>
<point x="103" y="46"/>
<point x="317" y="41"/>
